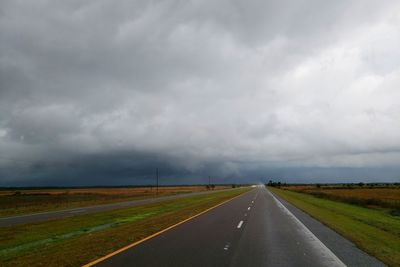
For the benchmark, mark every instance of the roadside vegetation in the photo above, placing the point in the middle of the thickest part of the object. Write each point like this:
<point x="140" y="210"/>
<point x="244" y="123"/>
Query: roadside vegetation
<point x="81" y="239"/>
<point x="25" y="201"/>
<point x="371" y="228"/>
<point x="376" y="196"/>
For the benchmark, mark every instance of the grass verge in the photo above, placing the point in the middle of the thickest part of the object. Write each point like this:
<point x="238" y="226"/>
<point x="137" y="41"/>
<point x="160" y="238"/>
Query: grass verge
<point x="387" y="198"/>
<point x="78" y="240"/>
<point x="20" y="202"/>
<point x="374" y="231"/>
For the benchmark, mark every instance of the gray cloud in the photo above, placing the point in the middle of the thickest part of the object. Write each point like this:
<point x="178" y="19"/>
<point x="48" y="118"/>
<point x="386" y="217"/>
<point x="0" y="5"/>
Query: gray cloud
<point x="102" y="92"/>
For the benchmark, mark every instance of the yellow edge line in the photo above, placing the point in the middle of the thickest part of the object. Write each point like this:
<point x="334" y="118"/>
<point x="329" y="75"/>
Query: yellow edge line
<point x="158" y="233"/>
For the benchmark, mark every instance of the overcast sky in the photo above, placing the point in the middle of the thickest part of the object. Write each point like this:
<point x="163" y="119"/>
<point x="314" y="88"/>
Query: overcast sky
<point x="105" y="91"/>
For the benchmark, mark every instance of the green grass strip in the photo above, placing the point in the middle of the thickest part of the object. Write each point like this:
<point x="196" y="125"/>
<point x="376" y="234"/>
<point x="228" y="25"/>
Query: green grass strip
<point x="374" y="231"/>
<point x="77" y="240"/>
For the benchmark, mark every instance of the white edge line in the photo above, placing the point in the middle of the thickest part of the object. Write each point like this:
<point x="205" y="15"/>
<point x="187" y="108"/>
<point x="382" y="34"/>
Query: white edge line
<point x="313" y="239"/>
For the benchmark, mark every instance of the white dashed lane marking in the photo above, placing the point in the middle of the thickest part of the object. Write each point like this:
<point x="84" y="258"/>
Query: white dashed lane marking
<point x="227" y="246"/>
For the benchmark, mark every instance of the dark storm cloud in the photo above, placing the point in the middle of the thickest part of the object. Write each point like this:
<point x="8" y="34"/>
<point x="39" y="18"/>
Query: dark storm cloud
<point x="102" y="92"/>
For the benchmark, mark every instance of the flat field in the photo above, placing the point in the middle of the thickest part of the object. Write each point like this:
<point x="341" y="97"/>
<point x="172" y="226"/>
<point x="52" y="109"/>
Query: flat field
<point x="375" y="231"/>
<point x="18" y="202"/>
<point x="372" y="197"/>
<point x="81" y="239"/>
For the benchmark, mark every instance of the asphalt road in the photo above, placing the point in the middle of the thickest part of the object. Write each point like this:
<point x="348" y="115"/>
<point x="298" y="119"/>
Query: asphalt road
<point x="44" y="216"/>
<point x="255" y="229"/>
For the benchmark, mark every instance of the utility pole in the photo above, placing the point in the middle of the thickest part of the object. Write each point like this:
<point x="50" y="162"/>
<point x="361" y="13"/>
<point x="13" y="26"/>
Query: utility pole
<point x="156" y="181"/>
<point x="209" y="181"/>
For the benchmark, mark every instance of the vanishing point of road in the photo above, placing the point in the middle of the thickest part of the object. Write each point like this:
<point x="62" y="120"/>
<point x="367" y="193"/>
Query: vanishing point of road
<point x="255" y="229"/>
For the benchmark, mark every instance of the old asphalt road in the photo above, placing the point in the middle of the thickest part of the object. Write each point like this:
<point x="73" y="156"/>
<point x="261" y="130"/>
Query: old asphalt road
<point x="255" y="229"/>
<point x="44" y="216"/>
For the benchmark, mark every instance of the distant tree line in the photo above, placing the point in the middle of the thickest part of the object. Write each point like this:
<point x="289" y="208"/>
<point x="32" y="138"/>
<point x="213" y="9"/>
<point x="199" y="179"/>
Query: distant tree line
<point x="335" y="185"/>
<point x="275" y="184"/>
<point x="210" y="186"/>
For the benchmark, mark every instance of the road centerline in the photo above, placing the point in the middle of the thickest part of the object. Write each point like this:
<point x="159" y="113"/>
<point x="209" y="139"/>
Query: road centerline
<point x="109" y="257"/>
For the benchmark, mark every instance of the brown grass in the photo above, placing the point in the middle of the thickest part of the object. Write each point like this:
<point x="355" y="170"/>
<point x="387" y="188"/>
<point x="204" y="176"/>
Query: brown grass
<point x="16" y="202"/>
<point x="124" y="191"/>
<point x="379" y="197"/>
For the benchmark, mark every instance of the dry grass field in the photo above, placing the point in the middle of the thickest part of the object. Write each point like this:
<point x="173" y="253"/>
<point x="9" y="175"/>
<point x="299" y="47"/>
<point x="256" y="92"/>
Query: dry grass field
<point x="371" y="197"/>
<point x="120" y="191"/>
<point x="16" y="202"/>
